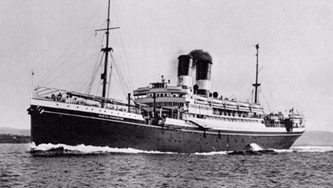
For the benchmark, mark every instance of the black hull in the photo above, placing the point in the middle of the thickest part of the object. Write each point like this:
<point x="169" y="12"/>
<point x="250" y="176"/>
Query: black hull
<point x="60" y="126"/>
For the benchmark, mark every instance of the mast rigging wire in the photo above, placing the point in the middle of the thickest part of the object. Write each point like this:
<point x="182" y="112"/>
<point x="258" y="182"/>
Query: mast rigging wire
<point x="124" y="83"/>
<point x="124" y="66"/>
<point x="72" y="68"/>
<point x="87" y="84"/>
<point x="117" y="73"/>
<point x="66" y="60"/>
<point x="124" y="59"/>
<point x="94" y="73"/>
<point x="46" y="76"/>
<point x="268" y="106"/>
<point x="109" y="82"/>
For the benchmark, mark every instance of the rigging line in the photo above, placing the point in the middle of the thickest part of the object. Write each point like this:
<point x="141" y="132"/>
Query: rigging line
<point x="115" y="59"/>
<point x="94" y="73"/>
<point x="83" y="86"/>
<point x="243" y="78"/>
<point x="95" y="67"/>
<point x="66" y="59"/>
<point x="77" y="35"/>
<point x="109" y="83"/>
<point x="118" y="82"/>
<point x="251" y="95"/>
<point x="88" y="80"/>
<point x="97" y="91"/>
<point x="268" y="106"/>
<point x="102" y="41"/>
<point x="116" y="78"/>
<point x="123" y="49"/>
<point x="121" y="82"/>
<point x="120" y="74"/>
<point x="124" y="81"/>
<point x="72" y="68"/>
<point x="126" y="62"/>
<point x="121" y="59"/>
<point x="98" y="70"/>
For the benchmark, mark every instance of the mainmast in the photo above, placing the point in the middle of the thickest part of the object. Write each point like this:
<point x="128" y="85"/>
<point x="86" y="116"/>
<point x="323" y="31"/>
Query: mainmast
<point x="106" y="50"/>
<point x="256" y="85"/>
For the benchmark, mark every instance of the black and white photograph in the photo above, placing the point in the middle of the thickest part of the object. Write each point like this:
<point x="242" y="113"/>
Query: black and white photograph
<point x="189" y="93"/>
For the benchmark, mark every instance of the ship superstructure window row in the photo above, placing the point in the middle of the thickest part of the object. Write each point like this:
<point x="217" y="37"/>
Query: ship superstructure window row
<point x="164" y="95"/>
<point x="151" y="95"/>
<point x="165" y="104"/>
<point x="229" y="119"/>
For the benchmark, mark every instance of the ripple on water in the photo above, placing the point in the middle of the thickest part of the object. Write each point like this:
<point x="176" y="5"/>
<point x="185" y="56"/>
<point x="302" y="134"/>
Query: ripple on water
<point x="284" y="169"/>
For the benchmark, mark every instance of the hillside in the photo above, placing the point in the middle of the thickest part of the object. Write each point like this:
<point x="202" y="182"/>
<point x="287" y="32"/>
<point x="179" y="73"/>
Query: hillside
<point x="315" y="138"/>
<point x="10" y="138"/>
<point x="22" y="132"/>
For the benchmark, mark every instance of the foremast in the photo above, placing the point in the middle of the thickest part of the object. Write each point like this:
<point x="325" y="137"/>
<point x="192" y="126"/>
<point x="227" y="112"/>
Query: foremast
<point x="106" y="50"/>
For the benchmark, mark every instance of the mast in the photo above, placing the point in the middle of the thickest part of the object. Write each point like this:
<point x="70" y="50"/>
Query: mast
<point x="256" y="85"/>
<point x="106" y="50"/>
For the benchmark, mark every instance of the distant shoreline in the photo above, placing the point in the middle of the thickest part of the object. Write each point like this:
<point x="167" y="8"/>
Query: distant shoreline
<point x="21" y="132"/>
<point x="13" y="138"/>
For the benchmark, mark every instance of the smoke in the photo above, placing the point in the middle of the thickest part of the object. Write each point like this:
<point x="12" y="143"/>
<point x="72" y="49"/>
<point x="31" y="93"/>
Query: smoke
<point x="201" y="55"/>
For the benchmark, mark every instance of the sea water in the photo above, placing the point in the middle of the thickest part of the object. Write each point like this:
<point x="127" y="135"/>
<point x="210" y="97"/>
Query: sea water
<point x="87" y="166"/>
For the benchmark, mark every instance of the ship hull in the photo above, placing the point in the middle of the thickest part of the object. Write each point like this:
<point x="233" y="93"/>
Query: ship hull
<point x="61" y="126"/>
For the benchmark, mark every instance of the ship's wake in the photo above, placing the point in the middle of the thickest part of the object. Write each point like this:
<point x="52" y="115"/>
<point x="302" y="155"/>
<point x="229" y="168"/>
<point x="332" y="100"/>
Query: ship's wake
<point x="309" y="149"/>
<point x="253" y="149"/>
<point x="62" y="149"/>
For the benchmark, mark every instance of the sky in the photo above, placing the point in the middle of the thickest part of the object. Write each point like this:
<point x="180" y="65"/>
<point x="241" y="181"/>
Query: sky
<point x="57" y="41"/>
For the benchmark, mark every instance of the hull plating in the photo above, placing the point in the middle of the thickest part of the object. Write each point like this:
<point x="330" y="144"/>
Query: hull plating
<point x="64" y="126"/>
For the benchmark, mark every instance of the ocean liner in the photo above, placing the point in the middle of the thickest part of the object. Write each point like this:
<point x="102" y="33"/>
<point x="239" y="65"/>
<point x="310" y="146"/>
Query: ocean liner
<point x="185" y="117"/>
